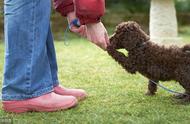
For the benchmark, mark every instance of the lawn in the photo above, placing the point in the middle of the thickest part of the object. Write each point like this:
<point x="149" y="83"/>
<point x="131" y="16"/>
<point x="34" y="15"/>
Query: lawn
<point x="115" y="97"/>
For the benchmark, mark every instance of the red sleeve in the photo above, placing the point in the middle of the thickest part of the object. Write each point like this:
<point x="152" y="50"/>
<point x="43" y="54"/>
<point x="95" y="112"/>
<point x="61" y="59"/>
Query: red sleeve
<point x="89" y="11"/>
<point x="63" y="6"/>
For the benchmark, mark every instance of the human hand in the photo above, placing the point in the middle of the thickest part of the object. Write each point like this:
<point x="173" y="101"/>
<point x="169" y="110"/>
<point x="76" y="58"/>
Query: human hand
<point x="95" y="32"/>
<point x="98" y="35"/>
<point x="81" y="30"/>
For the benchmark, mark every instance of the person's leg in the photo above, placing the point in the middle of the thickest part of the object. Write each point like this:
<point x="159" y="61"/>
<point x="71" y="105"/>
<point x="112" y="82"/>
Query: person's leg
<point x="52" y="58"/>
<point x="28" y="81"/>
<point x="27" y="69"/>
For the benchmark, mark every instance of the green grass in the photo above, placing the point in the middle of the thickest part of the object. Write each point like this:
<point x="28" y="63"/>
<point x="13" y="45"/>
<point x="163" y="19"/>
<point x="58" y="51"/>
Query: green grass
<point x="115" y="97"/>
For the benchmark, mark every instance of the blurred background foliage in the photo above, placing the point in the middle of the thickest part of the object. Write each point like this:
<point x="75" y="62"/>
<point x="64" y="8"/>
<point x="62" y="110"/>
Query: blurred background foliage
<point x="118" y="11"/>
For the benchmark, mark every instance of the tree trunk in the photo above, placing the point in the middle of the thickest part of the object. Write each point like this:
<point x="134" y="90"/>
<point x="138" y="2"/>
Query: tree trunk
<point x="163" y="23"/>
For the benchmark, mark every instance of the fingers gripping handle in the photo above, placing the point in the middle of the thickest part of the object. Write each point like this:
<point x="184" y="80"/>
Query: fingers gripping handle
<point x="74" y="22"/>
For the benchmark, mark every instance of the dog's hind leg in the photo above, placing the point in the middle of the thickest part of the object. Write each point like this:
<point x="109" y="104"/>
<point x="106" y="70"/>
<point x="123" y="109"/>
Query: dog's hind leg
<point x="182" y="75"/>
<point x="152" y="88"/>
<point x="184" y="98"/>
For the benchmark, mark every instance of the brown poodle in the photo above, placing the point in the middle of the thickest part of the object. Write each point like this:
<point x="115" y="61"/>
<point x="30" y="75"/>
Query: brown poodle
<point x="155" y="62"/>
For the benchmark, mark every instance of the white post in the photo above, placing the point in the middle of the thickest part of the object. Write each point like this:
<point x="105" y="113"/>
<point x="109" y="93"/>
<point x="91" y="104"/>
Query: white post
<point x="163" y="23"/>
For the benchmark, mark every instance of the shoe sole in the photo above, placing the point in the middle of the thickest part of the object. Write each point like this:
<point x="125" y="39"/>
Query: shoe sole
<point x="33" y="108"/>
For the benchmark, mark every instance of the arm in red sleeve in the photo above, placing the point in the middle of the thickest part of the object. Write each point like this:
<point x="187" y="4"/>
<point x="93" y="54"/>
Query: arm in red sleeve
<point x="89" y="11"/>
<point x="63" y="6"/>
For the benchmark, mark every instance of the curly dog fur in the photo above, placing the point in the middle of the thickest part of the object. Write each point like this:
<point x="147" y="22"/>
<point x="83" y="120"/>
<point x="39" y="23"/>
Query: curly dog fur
<point x="157" y="63"/>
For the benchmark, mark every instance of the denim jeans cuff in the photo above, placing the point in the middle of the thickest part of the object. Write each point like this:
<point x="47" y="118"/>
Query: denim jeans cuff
<point x="55" y="83"/>
<point x="23" y="97"/>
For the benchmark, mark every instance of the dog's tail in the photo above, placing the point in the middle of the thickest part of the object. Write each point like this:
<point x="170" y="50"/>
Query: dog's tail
<point x="186" y="49"/>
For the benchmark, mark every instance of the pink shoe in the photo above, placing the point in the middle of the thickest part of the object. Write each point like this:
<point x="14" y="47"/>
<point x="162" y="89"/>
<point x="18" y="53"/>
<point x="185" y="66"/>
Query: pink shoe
<point x="46" y="103"/>
<point x="78" y="93"/>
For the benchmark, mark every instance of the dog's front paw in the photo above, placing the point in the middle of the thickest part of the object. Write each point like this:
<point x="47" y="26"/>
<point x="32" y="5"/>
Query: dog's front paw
<point x="148" y="93"/>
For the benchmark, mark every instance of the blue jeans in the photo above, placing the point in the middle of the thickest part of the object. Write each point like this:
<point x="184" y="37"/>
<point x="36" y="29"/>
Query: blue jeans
<point x="30" y="68"/>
